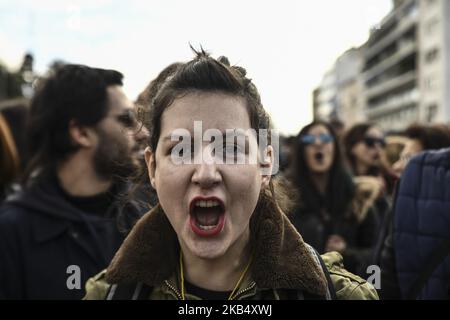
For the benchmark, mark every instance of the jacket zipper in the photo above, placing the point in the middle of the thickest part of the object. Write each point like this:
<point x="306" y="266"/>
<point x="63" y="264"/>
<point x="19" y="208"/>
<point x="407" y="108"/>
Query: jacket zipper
<point x="173" y="289"/>
<point x="251" y="286"/>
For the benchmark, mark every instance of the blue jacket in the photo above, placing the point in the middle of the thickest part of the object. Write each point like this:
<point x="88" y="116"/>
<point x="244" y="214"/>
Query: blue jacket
<point x="422" y="222"/>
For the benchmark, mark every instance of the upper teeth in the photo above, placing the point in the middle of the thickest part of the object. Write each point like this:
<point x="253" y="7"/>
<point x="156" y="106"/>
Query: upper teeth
<point x="207" y="204"/>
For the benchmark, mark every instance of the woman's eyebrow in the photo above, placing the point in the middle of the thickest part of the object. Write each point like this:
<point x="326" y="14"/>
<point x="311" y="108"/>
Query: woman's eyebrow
<point x="176" y="139"/>
<point x="171" y="137"/>
<point x="225" y="137"/>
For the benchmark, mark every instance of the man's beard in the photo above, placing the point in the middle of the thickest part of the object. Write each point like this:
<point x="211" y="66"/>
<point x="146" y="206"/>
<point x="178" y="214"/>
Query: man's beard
<point x="113" y="159"/>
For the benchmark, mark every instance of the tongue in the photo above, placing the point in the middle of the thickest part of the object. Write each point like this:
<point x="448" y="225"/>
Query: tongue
<point x="207" y="216"/>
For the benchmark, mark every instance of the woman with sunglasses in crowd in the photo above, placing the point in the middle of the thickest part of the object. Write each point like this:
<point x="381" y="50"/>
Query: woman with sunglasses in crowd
<point x="365" y="154"/>
<point x="364" y="150"/>
<point x="335" y="212"/>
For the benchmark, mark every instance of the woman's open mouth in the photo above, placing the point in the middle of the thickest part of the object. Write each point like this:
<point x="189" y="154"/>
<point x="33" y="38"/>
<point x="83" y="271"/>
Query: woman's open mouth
<point x="319" y="157"/>
<point x="206" y="216"/>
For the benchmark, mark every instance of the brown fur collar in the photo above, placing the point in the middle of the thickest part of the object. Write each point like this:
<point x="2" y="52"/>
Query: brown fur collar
<point x="281" y="258"/>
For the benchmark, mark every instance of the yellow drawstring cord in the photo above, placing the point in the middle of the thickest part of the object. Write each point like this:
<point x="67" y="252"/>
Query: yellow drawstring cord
<point x="182" y="276"/>
<point x="231" y="297"/>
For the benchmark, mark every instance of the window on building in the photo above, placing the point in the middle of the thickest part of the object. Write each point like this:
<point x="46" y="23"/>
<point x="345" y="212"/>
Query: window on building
<point x="430" y="83"/>
<point x="353" y="102"/>
<point x="431" y="113"/>
<point x="430" y="3"/>
<point x="412" y="11"/>
<point x="432" y="55"/>
<point x="431" y="26"/>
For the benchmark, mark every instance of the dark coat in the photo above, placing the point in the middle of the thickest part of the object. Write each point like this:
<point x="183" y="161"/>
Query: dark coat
<point x="422" y="222"/>
<point x="42" y="234"/>
<point x="320" y="217"/>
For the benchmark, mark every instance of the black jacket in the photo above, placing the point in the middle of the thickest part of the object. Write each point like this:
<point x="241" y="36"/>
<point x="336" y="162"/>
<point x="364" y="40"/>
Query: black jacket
<point x="42" y="235"/>
<point x="318" y="218"/>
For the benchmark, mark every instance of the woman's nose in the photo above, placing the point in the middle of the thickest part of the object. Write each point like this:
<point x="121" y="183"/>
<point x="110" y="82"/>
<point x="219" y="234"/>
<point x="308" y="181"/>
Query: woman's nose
<point x="206" y="173"/>
<point x="318" y="142"/>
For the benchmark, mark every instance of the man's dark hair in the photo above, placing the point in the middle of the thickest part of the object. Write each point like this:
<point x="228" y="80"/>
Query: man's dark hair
<point x="430" y="137"/>
<point x="69" y="93"/>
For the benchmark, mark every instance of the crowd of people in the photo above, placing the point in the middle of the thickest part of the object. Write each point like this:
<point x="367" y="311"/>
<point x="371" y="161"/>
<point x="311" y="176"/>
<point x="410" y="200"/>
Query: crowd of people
<point x="88" y="180"/>
<point x="349" y="201"/>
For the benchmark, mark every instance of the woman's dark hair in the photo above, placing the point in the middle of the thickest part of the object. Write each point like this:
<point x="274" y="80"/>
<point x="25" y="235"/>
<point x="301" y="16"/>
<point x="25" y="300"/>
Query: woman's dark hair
<point x="430" y="137"/>
<point x="340" y="189"/>
<point x="355" y="135"/>
<point x="206" y="74"/>
<point x="69" y="92"/>
<point x="146" y="97"/>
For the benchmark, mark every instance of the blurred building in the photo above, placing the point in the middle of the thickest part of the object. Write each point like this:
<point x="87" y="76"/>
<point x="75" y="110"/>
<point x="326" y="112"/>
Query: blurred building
<point x="404" y="69"/>
<point x="390" y="70"/>
<point x="325" y="97"/>
<point x="340" y="95"/>
<point x="316" y="104"/>
<point x="434" y="60"/>
<point x="350" y="99"/>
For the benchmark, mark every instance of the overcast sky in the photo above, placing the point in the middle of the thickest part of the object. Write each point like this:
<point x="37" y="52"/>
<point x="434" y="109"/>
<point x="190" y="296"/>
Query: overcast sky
<point x="286" y="46"/>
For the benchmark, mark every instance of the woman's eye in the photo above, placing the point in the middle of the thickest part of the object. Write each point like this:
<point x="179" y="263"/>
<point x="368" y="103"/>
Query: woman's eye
<point x="233" y="153"/>
<point x="181" y="150"/>
<point x="232" y="149"/>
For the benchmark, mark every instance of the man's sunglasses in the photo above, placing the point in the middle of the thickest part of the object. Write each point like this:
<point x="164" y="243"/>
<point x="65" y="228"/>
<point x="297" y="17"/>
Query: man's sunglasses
<point x="309" y="139"/>
<point x="371" y="142"/>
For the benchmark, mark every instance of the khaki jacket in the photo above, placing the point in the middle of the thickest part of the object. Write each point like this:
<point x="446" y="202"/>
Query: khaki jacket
<point x="282" y="263"/>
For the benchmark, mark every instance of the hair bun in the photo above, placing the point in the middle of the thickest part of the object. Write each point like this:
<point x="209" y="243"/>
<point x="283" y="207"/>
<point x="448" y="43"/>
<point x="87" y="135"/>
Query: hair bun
<point x="241" y="70"/>
<point x="224" y="60"/>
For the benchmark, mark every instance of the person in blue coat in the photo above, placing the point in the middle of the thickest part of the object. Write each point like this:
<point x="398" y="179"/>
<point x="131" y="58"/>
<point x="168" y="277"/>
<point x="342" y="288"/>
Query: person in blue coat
<point x="413" y="264"/>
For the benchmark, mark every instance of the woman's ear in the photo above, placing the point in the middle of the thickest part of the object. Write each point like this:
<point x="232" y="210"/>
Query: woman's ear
<point x="266" y="165"/>
<point x="151" y="165"/>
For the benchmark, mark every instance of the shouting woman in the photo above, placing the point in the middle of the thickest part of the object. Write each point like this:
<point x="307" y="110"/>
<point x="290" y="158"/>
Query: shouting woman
<point x="335" y="211"/>
<point x="219" y="230"/>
